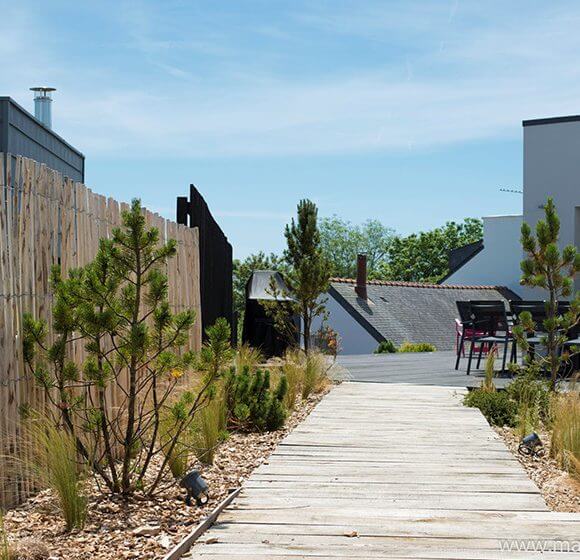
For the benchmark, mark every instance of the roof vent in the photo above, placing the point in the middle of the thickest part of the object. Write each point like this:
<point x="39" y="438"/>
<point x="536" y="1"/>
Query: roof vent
<point x="42" y="104"/>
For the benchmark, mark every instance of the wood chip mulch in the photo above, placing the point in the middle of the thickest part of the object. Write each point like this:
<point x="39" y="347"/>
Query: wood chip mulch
<point x="560" y="491"/>
<point x="141" y="529"/>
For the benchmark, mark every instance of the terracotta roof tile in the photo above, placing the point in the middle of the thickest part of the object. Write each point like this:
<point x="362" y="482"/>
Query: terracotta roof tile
<point x="417" y="284"/>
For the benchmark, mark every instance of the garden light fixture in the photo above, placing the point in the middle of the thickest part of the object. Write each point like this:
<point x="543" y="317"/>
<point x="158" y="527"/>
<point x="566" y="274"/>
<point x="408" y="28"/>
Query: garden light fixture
<point x="531" y="445"/>
<point x="196" y="488"/>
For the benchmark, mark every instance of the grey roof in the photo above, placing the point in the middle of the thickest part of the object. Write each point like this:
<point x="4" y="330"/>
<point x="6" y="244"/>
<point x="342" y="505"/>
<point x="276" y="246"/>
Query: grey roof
<point x="413" y="312"/>
<point x="258" y="286"/>
<point x="462" y="255"/>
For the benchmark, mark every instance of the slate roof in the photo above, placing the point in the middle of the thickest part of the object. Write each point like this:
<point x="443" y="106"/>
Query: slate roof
<point x="411" y="311"/>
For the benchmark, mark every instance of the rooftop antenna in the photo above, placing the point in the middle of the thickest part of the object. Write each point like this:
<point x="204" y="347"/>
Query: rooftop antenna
<point x="42" y="104"/>
<point x="511" y="191"/>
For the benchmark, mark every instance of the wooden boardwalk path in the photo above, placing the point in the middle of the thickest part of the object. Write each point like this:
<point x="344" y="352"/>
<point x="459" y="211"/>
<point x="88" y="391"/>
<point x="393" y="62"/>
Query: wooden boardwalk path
<point x="389" y="471"/>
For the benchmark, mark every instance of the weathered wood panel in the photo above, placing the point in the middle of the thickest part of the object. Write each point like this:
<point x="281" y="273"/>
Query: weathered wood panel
<point x="48" y="220"/>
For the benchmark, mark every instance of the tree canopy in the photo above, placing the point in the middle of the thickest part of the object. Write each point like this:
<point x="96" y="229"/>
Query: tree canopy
<point x="424" y="256"/>
<point x="341" y="241"/>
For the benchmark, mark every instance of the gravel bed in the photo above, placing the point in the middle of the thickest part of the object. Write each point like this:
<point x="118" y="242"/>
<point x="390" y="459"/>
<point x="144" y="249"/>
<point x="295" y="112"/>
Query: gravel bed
<point x="140" y="528"/>
<point x="559" y="489"/>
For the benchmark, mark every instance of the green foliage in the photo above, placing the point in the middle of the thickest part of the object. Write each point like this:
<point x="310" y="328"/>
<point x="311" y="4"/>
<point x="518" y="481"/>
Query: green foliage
<point x="209" y="429"/>
<point x="545" y="267"/>
<point x="307" y="275"/>
<point x="497" y="407"/>
<point x="424" y="256"/>
<point x="52" y="460"/>
<point x="532" y="398"/>
<point x="386" y="347"/>
<point x="524" y="403"/>
<point x="242" y="270"/>
<point x="342" y="241"/>
<point x="217" y="351"/>
<point x="178" y="454"/>
<point x="565" y="448"/>
<point x="417" y="347"/>
<point x="251" y="403"/>
<point x="117" y="307"/>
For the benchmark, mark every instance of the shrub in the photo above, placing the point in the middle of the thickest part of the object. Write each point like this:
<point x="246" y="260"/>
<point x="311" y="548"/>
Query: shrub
<point x="315" y="374"/>
<point x="497" y="407"/>
<point x="250" y="402"/>
<point x="417" y="347"/>
<point x="52" y="459"/>
<point x="565" y="447"/>
<point x="386" y="347"/>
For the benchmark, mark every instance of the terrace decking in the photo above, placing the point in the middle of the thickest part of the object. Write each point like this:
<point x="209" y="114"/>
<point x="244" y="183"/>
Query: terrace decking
<point x="389" y="471"/>
<point x="427" y="368"/>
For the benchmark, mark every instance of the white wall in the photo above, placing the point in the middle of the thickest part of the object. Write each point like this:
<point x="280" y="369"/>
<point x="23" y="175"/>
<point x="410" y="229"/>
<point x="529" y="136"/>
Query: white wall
<point x="552" y="168"/>
<point x="354" y="339"/>
<point x="498" y="264"/>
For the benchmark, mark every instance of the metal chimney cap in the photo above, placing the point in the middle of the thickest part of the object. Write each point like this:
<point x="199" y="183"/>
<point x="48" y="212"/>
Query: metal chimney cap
<point x="42" y="88"/>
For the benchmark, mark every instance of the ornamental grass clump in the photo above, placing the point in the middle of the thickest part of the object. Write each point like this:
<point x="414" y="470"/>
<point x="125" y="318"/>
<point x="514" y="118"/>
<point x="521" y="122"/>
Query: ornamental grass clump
<point x="293" y="368"/>
<point x="246" y="356"/>
<point x="532" y="397"/>
<point x="209" y="429"/>
<point x="315" y="374"/>
<point x="51" y="457"/>
<point x="487" y="384"/>
<point x="565" y="448"/>
<point x="5" y="551"/>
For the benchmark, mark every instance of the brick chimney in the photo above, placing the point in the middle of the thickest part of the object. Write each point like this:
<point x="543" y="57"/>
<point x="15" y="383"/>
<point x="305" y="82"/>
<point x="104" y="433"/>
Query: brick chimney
<point x="361" y="276"/>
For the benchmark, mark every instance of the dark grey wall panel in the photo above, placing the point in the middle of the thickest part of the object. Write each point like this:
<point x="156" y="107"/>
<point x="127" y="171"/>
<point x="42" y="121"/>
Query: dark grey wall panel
<point x="21" y="134"/>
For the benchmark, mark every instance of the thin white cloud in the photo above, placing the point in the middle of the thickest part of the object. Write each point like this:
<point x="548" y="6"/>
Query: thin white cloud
<point x="490" y="75"/>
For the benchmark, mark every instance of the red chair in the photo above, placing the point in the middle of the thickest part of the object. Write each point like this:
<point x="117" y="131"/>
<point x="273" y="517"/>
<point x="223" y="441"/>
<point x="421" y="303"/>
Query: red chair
<point x="464" y="332"/>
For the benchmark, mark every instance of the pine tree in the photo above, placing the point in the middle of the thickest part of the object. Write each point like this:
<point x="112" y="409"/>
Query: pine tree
<point x="118" y="308"/>
<point x="554" y="271"/>
<point x="307" y="276"/>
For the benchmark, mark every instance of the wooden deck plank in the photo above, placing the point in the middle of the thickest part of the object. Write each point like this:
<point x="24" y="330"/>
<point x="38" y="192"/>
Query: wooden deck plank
<point x="389" y="471"/>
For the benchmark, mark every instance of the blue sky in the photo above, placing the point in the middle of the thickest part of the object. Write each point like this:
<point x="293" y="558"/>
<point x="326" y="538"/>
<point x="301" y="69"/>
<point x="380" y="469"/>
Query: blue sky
<point x="409" y="112"/>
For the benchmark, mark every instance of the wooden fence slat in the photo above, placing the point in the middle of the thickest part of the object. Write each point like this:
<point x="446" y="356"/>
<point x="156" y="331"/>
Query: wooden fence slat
<point x="48" y="220"/>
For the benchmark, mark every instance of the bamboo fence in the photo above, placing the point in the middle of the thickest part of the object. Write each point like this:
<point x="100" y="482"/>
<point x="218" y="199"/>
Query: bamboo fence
<point x="48" y="220"/>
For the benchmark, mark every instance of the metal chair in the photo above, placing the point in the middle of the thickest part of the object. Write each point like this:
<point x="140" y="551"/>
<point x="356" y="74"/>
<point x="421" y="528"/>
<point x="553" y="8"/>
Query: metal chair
<point x="464" y="330"/>
<point x="489" y="317"/>
<point x="537" y="309"/>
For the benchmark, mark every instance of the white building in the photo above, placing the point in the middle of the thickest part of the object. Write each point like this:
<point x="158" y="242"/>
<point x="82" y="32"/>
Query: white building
<point x="551" y="168"/>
